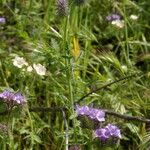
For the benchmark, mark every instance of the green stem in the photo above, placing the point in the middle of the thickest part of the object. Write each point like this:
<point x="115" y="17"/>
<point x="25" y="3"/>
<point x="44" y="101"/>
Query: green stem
<point x="3" y="75"/>
<point x="32" y="129"/>
<point x="86" y="53"/>
<point x="68" y="62"/>
<point x="126" y="53"/>
<point x="68" y="65"/>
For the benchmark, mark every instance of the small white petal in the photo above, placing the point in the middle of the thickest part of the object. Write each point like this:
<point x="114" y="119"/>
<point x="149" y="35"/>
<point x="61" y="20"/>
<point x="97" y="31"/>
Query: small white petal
<point x="134" y="17"/>
<point x="19" y="62"/>
<point x="41" y="70"/>
<point x="118" y="23"/>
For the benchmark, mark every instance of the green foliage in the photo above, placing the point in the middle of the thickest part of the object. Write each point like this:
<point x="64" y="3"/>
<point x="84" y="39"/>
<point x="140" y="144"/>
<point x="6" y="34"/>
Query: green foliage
<point x="81" y="52"/>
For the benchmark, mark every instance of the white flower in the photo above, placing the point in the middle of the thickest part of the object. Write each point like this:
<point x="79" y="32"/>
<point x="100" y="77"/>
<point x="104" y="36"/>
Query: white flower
<point x="118" y="23"/>
<point x="134" y="17"/>
<point x="41" y="70"/>
<point x="29" y="68"/>
<point x="19" y="62"/>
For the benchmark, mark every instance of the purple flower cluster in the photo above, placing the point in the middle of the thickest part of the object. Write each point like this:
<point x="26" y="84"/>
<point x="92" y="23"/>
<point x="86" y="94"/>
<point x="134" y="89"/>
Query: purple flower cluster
<point x="95" y="114"/>
<point x="2" y="20"/>
<point x="113" y="17"/>
<point x="12" y="98"/>
<point x="107" y="132"/>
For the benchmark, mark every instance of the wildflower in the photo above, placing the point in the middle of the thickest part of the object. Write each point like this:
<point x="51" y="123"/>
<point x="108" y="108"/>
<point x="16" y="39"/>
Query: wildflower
<point x="118" y="23"/>
<point x="2" y="20"/>
<point x="96" y="114"/>
<point x="107" y="132"/>
<point x="92" y="113"/>
<point x="113" y="17"/>
<point x="82" y="110"/>
<point x="133" y="17"/>
<point x="41" y="70"/>
<point x="115" y="20"/>
<point x="113" y="130"/>
<point x="79" y="2"/>
<point x="19" y="62"/>
<point x="62" y="7"/>
<point x="29" y="68"/>
<point x="6" y="95"/>
<point x="12" y="98"/>
<point x="102" y="133"/>
<point x="18" y="98"/>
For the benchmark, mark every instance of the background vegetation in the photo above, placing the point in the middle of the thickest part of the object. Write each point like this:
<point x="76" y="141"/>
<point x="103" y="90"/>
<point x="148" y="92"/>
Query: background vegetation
<point x="81" y="51"/>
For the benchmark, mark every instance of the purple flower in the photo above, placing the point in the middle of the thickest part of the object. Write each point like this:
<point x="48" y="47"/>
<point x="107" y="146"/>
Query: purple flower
<point x="113" y="17"/>
<point x="6" y="95"/>
<point x="102" y="133"/>
<point x="114" y="130"/>
<point x="19" y="98"/>
<point x="92" y="113"/>
<point x="2" y="20"/>
<point x="12" y="98"/>
<point x="107" y="132"/>
<point x="96" y="114"/>
<point x="82" y="110"/>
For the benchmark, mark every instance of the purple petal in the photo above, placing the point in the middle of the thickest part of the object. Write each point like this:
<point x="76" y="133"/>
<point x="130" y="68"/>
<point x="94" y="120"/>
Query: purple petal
<point x="19" y="98"/>
<point x="102" y="133"/>
<point x="2" y="20"/>
<point x="113" y="17"/>
<point x="7" y="95"/>
<point x="92" y="113"/>
<point x="82" y="110"/>
<point x="114" y="130"/>
<point x="12" y="98"/>
<point x="97" y="114"/>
